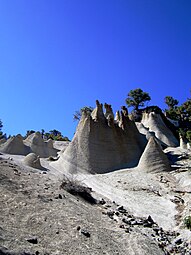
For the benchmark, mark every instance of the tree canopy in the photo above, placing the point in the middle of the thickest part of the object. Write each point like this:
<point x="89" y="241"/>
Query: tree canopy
<point x="137" y="98"/>
<point x="171" y="102"/>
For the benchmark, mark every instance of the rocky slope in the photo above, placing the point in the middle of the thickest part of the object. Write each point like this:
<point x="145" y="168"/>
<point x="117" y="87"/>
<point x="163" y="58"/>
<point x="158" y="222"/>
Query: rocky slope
<point x="112" y="191"/>
<point x="38" y="217"/>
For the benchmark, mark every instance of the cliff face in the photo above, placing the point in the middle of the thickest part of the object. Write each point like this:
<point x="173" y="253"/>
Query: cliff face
<point x="102" y="144"/>
<point x="154" y="122"/>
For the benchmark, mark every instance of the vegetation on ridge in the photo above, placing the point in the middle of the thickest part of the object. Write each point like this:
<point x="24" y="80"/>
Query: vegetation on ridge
<point x="86" y="109"/>
<point x="179" y="115"/>
<point x="52" y="134"/>
<point x="137" y="98"/>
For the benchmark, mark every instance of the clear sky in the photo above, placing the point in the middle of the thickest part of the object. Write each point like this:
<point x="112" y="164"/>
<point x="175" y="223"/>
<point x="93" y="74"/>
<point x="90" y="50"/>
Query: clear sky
<point x="57" y="56"/>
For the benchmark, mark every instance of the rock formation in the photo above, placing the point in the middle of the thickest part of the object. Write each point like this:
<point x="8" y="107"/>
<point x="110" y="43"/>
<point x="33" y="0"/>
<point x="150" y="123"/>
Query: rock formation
<point x="145" y="131"/>
<point x="102" y="145"/>
<point x="32" y="160"/>
<point x="34" y="143"/>
<point x="15" y="145"/>
<point x="40" y="147"/>
<point x="153" y="158"/>
<point x="154" y="122"/>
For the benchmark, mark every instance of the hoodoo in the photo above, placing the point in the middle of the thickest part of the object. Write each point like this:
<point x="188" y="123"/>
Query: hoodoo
<point x="40" y="147"/>
<point x="102" y="144"/>
<point x="15" y="145"/>
<point x="153" y="158"/>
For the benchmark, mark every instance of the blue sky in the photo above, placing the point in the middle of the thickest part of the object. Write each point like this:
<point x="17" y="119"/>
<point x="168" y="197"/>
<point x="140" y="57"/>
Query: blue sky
<point x="57" y="56"/>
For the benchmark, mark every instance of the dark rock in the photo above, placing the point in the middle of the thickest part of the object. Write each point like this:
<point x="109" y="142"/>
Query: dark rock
<point x="149" y="222"/>
<point x="133" y="222"/>
<point x="110" y="214"/>
<point x="78" y="228"/>
<point x="127" y="230"/>
<point x="59" y="196"/>
<point x="150" y="219"/>
<point x="85" y="233"/>
<point x="32" y="240"/>
<point x="147" y="225"/>
<point x="156" y="229"/>
<point x="117" y="213"/>
<point x="178" y="241"/>
<point x="107" y="206"/>
<point x="121" y="209"/>
<point x="127" y="220"/>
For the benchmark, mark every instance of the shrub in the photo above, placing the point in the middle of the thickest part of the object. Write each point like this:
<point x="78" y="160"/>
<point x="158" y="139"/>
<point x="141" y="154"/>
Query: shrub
<point x="75" y="188"/>
<point x="137" y="98"/>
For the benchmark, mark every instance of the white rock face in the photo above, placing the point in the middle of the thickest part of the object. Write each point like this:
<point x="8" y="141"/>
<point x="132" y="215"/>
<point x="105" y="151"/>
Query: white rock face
<point x="102" y="145"/>
<point x="154" y="122"/>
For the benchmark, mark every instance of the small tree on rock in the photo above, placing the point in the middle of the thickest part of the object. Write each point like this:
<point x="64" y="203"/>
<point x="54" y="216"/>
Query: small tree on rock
<point x="86" y="109"/>
<point x="137" y="98"/>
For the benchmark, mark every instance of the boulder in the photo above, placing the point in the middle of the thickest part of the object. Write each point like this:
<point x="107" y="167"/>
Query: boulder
<point x="32" y="160"/>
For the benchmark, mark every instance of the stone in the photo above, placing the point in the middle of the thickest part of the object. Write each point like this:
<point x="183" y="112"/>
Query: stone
<point x="32" y="240"/>
<point x="85" y="233"/>
<point x="33" y="160"/>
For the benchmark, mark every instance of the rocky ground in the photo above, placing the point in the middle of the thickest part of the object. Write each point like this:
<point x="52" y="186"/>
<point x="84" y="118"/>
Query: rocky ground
<point x="39" y="217"/>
